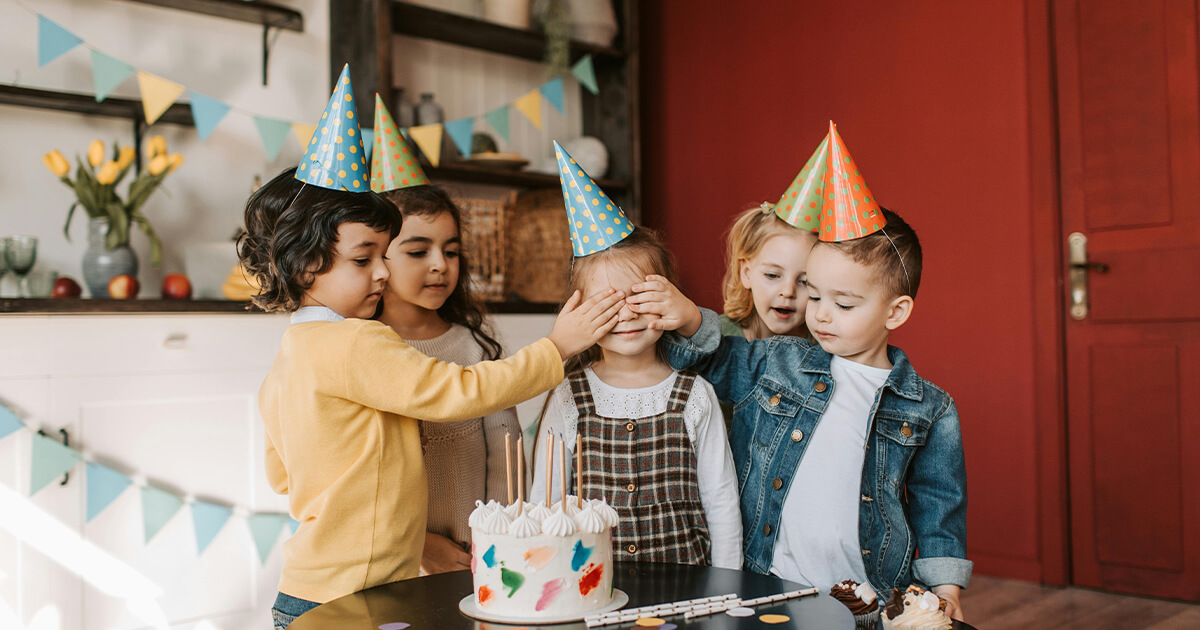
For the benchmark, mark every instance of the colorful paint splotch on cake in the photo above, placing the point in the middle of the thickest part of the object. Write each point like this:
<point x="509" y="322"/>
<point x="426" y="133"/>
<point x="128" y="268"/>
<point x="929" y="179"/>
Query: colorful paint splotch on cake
<point x="544" y="562"/>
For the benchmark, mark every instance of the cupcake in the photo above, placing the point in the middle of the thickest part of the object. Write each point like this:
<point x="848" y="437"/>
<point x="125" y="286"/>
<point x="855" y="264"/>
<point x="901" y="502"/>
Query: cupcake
<point x="915" y="609"/>
<point x="861" y="600"/>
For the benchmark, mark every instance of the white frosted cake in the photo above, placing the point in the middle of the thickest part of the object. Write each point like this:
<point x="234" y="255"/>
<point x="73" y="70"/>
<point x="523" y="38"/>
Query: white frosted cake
<point x="543" y="562"/>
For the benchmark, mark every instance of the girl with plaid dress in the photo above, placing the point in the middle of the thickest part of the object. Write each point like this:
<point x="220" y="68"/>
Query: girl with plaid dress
<point x="654" y="442"/>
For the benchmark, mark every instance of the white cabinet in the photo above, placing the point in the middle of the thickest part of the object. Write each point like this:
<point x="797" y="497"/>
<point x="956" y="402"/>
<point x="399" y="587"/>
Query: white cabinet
<point x="170" y="400"/>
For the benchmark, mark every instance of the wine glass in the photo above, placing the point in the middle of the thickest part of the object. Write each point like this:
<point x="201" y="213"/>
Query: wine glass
<point x="21" y="251"/>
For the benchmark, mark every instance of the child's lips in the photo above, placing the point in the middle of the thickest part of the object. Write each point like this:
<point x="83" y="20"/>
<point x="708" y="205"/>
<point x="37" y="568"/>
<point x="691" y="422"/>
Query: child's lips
<point x="820" y="334"/>
<point x="783" y="313"/>
<point x="436" y="287"/>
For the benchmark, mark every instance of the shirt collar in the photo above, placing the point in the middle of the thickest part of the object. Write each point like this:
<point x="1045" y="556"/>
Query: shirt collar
<point x="315" y="314"/>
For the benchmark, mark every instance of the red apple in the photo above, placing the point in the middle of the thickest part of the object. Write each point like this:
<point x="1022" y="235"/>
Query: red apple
<point x="176" y="286"/>
<point x="123" y="287"/>
<point x="66" y="287"/>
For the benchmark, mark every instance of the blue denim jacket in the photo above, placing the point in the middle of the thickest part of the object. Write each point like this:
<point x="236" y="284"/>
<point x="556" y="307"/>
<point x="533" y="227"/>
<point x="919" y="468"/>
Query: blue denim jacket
<point x="914" y="481"/>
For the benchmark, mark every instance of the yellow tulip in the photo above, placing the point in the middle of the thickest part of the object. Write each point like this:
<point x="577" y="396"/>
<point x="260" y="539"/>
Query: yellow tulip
<point x="158" y="165"/>
<point x="173" y="161"/>
<point x="157" y="145"/>
<point x="56" y="163"/>
<point x="125" y="157"/>
<point x="95" y="153"/>
<point x="108" y="173"/>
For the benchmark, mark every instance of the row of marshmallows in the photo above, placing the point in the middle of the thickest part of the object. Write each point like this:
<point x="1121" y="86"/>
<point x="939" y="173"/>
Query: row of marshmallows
<point x="529" y="519"/>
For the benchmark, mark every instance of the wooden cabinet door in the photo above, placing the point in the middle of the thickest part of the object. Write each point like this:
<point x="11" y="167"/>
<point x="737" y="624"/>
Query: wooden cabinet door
<point x="1129" y="122"/>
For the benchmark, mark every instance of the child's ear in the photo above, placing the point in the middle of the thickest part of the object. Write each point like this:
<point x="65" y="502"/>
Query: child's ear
<point x="744" y="268"/>
<point x="900" y="310"/>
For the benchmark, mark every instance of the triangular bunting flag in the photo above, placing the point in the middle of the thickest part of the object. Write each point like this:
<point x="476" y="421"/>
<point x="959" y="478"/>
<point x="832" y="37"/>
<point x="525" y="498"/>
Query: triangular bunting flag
<point x="393" y="164"/>
<point x="304" y="133"/>
<point x="800" y="205"/>
<point x="585" y="73"/>
<point x="595" y="220"/>
<point x="208" y="520"/>
<point x="157" y="94"/>
<point x="50" y="459"/>
<point x="265" y="530"/>
<point x="53" y="40"/>
<point x="9" y="422"/>
<point x="460" y="132"/>
<point x="553" y="91"/>
<point x="207" y="113"/>
<point x="531" y="106"/>
<point x="293" y="524"/>
<point x="850" y="209"/>
<point x="104" y="485"/>
<point x="273" y="132"/>
<point x="107" y="74"/>
<point x="429" y="140"/>
<point x="498" y="119"/>
<point x="334" y="157"/>
<point x="158" y="506"/>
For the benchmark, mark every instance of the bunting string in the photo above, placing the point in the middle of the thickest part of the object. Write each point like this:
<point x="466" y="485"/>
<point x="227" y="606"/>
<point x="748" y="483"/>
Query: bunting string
<point x="159" y="93"/>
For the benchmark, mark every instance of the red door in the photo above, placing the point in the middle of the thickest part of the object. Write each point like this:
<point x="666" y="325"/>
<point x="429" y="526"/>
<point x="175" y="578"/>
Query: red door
<point x="1129" y="125"/>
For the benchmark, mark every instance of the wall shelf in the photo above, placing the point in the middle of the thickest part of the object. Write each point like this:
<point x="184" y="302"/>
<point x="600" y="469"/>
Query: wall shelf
<point x="150" y="306"/>
<point x="256" y="12"/>
<point x="112" y="107"/>
<point x="461" y="172"/>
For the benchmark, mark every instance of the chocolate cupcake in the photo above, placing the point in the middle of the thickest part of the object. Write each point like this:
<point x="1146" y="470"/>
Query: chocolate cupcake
<point x="915" y="609"/>
<point x="861" y="600"/>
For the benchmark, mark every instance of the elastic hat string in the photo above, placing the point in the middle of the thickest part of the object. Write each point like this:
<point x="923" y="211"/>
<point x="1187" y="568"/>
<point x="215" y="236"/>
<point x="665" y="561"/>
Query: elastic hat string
<point x="907" y="279"/>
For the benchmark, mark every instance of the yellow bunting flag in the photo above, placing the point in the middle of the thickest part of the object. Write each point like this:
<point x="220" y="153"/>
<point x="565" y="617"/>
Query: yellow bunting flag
<point x="531" y="106"/>
<point x="429" y="139"/>
<point x="157" y="94"/>
<point x="303" y="132"/>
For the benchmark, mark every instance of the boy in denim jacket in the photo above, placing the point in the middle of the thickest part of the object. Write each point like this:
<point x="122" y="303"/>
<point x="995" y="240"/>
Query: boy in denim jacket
<point x="885" y="478"/>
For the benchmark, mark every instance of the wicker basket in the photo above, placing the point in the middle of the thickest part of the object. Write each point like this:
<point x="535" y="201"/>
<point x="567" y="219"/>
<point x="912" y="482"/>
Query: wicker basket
<point x="539" y="247"/>
<point x="483" y="237"/>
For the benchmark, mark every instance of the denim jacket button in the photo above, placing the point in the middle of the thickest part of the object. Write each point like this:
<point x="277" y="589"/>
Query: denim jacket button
<point x="766" y="530"/>
<point x="867" y="498"/>
<point x="797" y="435"/>
<point x="866" y="551"/>
<point x="777" y="483"/>
<point x="906" y="430"/>
<point x="774" y="400"/>
<point x="820" y="387"/>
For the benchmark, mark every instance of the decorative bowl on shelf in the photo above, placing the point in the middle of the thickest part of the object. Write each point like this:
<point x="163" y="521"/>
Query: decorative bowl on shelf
<point x="505" y="161"/>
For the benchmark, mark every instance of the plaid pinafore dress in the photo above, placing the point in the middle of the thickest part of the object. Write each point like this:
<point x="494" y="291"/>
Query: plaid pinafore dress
<point x="646" y="469"/>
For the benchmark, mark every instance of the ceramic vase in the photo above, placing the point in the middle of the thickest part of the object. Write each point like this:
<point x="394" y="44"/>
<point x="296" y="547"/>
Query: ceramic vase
<point x="101" y="264"/>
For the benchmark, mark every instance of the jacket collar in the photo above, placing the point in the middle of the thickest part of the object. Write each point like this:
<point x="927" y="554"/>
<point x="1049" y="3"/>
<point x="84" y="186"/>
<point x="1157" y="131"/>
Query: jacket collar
<point x="903" y="379"/>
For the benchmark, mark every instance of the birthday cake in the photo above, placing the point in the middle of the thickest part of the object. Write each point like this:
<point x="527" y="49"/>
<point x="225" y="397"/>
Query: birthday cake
<point x="532" y="561"/>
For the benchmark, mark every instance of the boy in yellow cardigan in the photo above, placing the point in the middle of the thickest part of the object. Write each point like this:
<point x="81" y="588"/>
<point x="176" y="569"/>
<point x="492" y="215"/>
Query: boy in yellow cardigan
<point x="340" y="401"/>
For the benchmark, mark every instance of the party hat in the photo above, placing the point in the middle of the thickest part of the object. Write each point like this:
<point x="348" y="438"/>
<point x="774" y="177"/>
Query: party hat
<point x="849" y="210"/>
<point x="596" y="221"/>
<point x="800" y="205"/>
<point x="335" y="158"/>
<point x="393" y="164"/>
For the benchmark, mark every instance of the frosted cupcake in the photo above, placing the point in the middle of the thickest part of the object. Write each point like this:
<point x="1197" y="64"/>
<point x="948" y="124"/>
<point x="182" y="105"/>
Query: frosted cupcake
<point x="861" y="600"/>
<point x="915" y="609"/>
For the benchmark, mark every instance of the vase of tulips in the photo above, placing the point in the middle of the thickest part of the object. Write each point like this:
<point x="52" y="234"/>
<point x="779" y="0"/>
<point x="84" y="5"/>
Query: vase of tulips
<point x="111" y="215"/>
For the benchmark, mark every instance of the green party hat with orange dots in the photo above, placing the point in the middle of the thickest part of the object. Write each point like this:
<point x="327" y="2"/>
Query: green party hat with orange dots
<point x="335" y="158"/>
<point x="393" y="163"/>
<point x="596" y="221"/>
<point x="848" y="208"/>
<point x="800" y="205"/>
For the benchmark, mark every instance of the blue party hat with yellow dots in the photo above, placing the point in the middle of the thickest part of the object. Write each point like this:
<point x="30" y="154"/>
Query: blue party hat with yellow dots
<point x="595" y="219"/>
<point x="335" y="158"/>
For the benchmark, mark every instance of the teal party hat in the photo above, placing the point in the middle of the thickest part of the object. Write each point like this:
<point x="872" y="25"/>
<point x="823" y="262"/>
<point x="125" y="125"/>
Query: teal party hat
<point x="335" y="158"/>
<point x="596" y="221"/>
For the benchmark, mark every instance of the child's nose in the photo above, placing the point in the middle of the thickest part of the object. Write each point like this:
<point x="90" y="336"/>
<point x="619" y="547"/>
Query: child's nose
<point x="625" y="314"/>
<point x="381" y="272"/>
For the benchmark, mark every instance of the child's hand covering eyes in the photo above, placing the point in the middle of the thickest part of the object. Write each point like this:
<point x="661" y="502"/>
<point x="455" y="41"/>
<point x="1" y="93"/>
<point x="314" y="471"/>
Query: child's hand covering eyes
<point x="657" y="296"/>
<point x="579" y="326"/>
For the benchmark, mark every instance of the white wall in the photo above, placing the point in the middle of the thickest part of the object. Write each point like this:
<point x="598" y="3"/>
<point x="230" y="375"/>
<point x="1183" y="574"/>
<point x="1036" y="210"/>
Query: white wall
<point x="217" y="57"/>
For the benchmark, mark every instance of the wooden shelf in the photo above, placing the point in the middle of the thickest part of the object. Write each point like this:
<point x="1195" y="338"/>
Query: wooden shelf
<point x="149" y="306"/>
<point x="462" y="172"/>
<point x="256" y="12"/>
<point x="177" y="114"/>
<point x="452" y="28"/>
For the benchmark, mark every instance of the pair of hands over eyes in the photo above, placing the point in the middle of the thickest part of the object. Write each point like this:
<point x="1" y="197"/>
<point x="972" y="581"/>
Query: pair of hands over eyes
<point x="581" y="323"/>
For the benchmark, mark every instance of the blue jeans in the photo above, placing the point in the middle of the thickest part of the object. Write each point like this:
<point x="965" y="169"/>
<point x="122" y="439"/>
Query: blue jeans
<point x="287" y="608"/>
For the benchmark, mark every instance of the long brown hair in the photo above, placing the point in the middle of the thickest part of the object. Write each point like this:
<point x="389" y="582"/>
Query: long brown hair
<point x="461" y="307"/>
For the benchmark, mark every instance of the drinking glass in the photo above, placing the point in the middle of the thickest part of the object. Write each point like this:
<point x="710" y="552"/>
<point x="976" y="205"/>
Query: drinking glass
<point x="21" y="251"/>
<point x="3" y="262"/>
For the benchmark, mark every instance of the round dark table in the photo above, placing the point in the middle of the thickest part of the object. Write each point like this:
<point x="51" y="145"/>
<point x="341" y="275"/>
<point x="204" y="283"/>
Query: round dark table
<point x="432" y="602"/>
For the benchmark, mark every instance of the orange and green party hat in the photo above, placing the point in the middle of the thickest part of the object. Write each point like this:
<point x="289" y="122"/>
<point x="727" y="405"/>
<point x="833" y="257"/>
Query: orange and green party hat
<point x="849" y="209"/>
<point x="596" y="221"/>
<point x="393" y="163"/>
<point x="335" y="158"/>
<point x="800" y="205"/>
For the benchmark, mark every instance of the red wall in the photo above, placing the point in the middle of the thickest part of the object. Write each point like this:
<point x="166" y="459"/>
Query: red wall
<point x="931" y="99"/>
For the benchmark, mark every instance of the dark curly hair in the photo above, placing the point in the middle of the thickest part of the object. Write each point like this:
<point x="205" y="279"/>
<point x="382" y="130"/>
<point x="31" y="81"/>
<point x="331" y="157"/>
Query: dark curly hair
<point x="291" y="235"/>
<point x="462" y="306"/>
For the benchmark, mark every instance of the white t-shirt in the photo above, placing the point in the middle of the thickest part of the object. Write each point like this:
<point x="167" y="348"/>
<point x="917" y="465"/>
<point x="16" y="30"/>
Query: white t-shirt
<point x="818" y="531"/>
<point x="715" y="474"/>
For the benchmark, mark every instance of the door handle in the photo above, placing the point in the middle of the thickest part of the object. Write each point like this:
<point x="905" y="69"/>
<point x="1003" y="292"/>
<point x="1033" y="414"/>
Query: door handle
<point x="1078" y="267"/>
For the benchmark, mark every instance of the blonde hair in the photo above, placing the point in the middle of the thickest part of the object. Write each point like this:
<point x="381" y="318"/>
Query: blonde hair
<point x="750" y="230"/>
